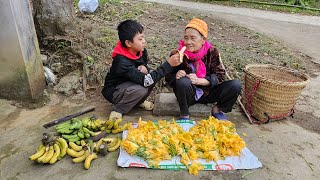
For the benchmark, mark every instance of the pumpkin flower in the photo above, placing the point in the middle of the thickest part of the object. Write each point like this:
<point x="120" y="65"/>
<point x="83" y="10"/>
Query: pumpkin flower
<point x="195" y="167"/>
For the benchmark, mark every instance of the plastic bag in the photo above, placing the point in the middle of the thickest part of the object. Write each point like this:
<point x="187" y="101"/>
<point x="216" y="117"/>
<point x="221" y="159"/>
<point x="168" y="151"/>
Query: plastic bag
<point x="88" y="5"/>
<point x="50" y="77"/>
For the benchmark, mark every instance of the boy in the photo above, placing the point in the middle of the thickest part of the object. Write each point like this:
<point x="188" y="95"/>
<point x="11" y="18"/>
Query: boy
<point x="130" y="80"/>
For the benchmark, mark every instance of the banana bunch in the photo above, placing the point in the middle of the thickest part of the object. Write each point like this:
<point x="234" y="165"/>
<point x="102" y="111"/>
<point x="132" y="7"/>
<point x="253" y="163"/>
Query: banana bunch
<point x="112" y="126"/>
<point x="92" y="123"/>
<point x="76" y="136"/>
<point x="51" y="152"/>
<point x="81" y="153"/>
<point x="111" y="144"/>
<point x="69" y="127"/>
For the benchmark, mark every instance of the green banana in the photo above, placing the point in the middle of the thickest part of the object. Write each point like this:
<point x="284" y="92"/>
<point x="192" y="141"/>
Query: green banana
<point x="63" y="125"/>
<point x="86" y="130"/>
<point x="87" y="135"/>
<point x="74" y="139"/>
<point x="81" y="134"/>
<point x="75" y="124"/>
<point x="70" y="136"/>
<point x="85" y="122"/>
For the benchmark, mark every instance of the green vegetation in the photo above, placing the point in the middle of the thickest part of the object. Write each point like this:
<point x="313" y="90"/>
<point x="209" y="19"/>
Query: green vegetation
<point x="96" y="36"/>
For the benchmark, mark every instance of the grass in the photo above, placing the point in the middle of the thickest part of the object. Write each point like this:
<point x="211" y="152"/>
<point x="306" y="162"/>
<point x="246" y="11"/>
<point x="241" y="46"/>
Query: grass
<point x="238" y="46"/>
<point x="235" y="3"/>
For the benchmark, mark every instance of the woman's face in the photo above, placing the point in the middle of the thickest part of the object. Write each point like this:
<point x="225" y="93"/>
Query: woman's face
<point x="193" y="40"/>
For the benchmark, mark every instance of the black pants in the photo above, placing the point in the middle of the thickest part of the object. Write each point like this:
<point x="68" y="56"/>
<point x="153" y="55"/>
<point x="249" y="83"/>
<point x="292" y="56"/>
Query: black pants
<point x="224" y="94"/>
<point x="129" y="94"/>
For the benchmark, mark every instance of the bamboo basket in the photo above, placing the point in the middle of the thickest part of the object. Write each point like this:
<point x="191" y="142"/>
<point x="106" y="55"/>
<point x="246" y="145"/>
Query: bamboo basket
<point x="270" y="92"/>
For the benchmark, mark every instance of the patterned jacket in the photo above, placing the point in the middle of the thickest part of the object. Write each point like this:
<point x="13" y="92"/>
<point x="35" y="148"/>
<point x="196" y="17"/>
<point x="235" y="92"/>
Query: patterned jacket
<point x="214" y="70"/>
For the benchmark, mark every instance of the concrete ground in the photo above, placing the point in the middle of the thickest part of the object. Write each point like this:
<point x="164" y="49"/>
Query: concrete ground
<point x="286" y="150"/>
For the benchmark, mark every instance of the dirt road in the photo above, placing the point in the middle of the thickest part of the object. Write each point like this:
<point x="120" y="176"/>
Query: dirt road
<point x="299" y="32"/>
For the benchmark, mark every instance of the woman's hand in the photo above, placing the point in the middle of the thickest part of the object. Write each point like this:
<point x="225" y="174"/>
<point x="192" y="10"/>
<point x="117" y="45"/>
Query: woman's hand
<point x="197" y="81"/>
<point x="193" y="77"/>
<point x="143" y="69"/>
<point x="180" y="74"/>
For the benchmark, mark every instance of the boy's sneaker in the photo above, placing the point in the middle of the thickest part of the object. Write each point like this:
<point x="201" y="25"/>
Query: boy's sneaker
<point x="115" y="115"/>
<point x="147" y="105"/>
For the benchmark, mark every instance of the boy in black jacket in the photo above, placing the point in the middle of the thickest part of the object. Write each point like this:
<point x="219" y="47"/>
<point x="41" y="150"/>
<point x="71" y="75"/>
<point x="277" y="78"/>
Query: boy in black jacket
<point x="130" y="80"/>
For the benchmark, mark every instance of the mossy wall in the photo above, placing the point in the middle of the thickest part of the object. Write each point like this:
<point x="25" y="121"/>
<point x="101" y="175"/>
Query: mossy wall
<point x="21" y="70"/>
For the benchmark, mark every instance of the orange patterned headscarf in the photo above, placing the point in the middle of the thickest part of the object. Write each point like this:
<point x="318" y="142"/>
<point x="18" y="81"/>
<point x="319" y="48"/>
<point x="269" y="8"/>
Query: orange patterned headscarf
<point x="199" y="25"/>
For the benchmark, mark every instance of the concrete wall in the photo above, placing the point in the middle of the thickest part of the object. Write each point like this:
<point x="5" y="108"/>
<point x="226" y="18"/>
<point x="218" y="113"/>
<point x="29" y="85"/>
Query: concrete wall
<point x="21" y="71"/>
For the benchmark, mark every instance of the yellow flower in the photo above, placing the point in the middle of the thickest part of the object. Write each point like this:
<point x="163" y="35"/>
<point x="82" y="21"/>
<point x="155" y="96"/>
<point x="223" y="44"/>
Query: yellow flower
<point x="184" y="159"/>
<point x="194" y="168"/>
<point x="129" y="146"/>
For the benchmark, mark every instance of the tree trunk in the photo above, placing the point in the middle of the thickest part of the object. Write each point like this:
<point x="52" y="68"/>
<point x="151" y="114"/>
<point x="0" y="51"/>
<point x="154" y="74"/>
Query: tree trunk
<point x="53" y="17"/>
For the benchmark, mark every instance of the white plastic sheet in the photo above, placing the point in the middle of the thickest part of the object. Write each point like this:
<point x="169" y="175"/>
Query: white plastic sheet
<point x="247" y="160"/>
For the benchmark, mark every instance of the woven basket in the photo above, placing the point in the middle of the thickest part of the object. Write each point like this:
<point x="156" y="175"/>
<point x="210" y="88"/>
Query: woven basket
<point x="270" y="92"/>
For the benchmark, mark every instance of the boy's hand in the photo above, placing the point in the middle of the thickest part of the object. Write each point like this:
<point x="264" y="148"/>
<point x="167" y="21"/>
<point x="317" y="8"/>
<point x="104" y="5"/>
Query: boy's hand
<point x="180" y="74"/>
<point x="143" y="69"/>
<point x="174" y="60"/>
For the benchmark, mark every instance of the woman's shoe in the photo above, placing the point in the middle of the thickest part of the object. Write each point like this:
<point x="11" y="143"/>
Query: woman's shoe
<point x="219" y="116"/>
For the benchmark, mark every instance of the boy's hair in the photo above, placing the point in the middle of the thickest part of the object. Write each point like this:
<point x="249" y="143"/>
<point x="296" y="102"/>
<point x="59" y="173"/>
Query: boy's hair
<point x="127" y="30"/>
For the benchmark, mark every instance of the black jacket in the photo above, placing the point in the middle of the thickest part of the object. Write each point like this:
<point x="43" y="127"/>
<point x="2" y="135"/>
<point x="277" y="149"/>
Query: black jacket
<point x="124" y="69"/>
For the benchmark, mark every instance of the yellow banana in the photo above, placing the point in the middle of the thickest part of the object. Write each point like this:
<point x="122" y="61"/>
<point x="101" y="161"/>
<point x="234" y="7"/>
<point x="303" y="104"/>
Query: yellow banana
<point x="115" y="131"/>
<point x="98" y="144"/>
<point x="64" y="146"/>
<point x="116" y="123"/>
<point x="88" y="160"/>
<point x="56" y="154"/>
<point x="124" y="127"/>
<point x="96" y="133"/>
<point x="181" y="53"/>
<point x="74" y="153"/>
<point x="107" y="123"/>
<point x="110" y="125"/>
<point x="38" y="154"/>
<point x="96" y="123"/>
<point x="40" y="147"/>
<point x="108" y="131"/>
<point x="114" y="147"/>
<point x="82" y="142"/>
<point x="93" y="125"/>
<point x="108" y="140"/>
<point x="40" y="159"/>
<point x="49" y="155"/>
<point x="74" y="146"/>
<point x="81" y="158"/>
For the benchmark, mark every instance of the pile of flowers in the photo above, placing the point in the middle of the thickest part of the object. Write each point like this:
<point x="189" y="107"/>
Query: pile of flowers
<point x="210" y="139"/>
